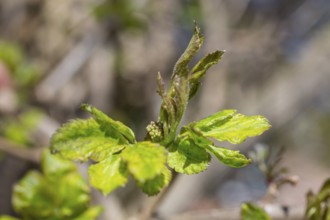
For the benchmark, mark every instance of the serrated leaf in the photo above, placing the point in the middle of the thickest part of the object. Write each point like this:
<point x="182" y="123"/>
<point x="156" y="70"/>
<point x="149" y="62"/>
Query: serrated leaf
<point x="155" y="185"/>
<point x="231" y="127"/>
<point x="232" y="158"/>
<point x="186" y="157"/>
<point x="213" y="121"/>
<point x="145" y="160"/>
<point x="251" y="211"/>
<point x="112" y="128"/>
<point x="45" y="197"/>
<point x="83" y="139"/>
<point x="200" y="69"/>
<point x="108" y="174"/>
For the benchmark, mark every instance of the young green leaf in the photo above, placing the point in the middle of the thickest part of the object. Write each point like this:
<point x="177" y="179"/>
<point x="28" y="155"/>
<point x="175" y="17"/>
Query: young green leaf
<point x="155" y="185"/>
<point x="200" y="69"/>
<point x="112" y="128"/>
<point x="188" y="132"/>
<point x="231" y="127"/>
<point x="145" y="160"/>
<point x="228" y="157"/>
<point x="175" y="102"/>
<point x="196" y="42"/>
<point x="250" y="211"/>
<point x="214" y="121"/>
<point x="108" y="174"/>
<point x="39" y="196"/>
<point x="83" y="139"/>
<point x="186" y="157"/>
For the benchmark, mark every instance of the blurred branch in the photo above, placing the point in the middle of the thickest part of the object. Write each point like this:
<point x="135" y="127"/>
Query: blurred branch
<point x="151" y="208"/>
<point x="20" y="151"/>
<point x="71" y="64"/>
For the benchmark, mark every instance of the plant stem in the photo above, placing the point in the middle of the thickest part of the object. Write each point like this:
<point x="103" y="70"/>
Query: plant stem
<point x="19" y="151"/>
<point x="152" y="206"/>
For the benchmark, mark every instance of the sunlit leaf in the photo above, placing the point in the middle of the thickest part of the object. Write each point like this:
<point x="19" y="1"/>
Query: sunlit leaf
<point x="186" y="157"/>
<point x="83" y="139"/>
<point x="231" y="127"/>
<point x="229" y="157"/>
<point x="108" y="174"/>
<point x="145" y="160"/>
<point x="112" y="128"/>
<point x="251" y="211"/>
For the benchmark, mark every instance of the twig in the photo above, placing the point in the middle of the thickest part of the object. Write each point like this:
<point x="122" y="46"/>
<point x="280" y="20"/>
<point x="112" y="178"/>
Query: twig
<point x="150" y="209"/>
<point x="71" y="64"/>
<point x="20" y="151"/>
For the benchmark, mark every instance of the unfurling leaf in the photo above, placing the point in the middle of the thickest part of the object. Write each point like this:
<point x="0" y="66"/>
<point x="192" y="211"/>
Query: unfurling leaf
<point x="196" y="42"/>
<point x="318" y="205"/>
<point x="83" y="139"/>
<point x="250" y="211"/>
<point x="200" y="69"/>
<point x="109" y="174"/>
<point x="229" y="157"/>
<point x="186" y="157"/>
<point x="232" y="127"/>
<point x="145" y="160"/>
<point x="175" y="101"/>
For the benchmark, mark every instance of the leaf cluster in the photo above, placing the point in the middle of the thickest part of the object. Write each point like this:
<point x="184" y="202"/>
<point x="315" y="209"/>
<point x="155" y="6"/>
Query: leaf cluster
<point x="113" y="148"/>
<point x="59" y="193"/>
<point x="115" y="152"/>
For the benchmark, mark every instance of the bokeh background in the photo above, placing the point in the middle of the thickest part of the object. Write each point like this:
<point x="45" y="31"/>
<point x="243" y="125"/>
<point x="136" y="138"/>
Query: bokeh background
<point x="55" y="55"/>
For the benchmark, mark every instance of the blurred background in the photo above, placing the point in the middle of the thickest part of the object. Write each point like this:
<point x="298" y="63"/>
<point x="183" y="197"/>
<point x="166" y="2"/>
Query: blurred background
<point x="55" y="55"/>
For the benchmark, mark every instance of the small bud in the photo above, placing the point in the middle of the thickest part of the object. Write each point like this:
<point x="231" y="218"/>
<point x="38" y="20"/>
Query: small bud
<point x="155" y="131"/>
